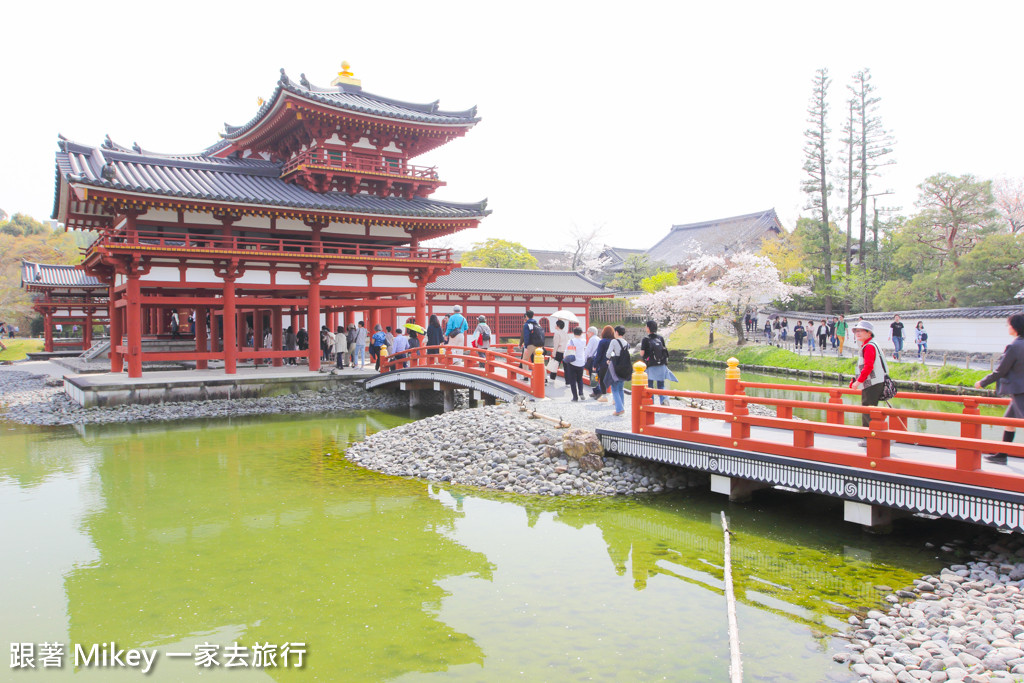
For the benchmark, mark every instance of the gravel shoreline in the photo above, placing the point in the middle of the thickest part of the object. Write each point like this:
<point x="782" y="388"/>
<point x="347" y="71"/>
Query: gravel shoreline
<point x="966" y="624"/>
<point x="514" y="453"/>
<point x="40" y="400"/>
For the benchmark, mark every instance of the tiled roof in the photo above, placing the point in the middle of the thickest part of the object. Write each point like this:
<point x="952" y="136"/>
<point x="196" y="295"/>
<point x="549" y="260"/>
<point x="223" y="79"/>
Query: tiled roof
<point x="352" y="98"/>
<point x="501" y="280"/>
<point x="716" y="237"/>
<point x="248" y="181"/>
<point x="46" y="275"/>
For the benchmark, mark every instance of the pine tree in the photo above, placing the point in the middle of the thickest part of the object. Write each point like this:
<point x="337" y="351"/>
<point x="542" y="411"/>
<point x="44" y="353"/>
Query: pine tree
<point x="816" y="163"/>
<point x="874" y="144"/>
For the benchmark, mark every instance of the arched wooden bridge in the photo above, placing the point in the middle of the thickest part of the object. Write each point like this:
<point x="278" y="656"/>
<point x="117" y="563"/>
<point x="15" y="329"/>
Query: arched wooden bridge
<point x="496" y="372"/>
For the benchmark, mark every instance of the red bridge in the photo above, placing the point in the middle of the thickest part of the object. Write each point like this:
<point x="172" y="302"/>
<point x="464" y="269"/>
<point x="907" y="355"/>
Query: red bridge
<point x="916" y="472"/>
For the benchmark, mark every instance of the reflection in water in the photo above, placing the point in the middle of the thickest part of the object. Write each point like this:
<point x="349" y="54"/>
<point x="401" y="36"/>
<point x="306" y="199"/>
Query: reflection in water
<point x="262" y="528"/>
<point x="257" y="530"/>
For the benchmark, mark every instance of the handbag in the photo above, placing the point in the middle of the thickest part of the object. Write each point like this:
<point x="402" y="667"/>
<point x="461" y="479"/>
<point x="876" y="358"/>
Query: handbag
<point x="888" y="388"/>
<point x="552" y="365"/>
<point x="571" y="358"/>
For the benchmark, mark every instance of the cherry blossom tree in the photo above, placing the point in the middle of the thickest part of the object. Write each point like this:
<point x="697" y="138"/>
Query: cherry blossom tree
<point x="720" y="289"/>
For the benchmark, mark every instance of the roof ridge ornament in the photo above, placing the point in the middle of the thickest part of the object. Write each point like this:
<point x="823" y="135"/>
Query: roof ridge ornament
<point x="345" y="77"/>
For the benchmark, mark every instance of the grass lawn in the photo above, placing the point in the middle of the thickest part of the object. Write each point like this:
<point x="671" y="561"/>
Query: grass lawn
<point x="17" y="349"/>
<point x="693" y="337"/>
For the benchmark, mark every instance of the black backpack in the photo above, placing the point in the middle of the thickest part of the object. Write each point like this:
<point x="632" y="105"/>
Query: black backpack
<point x="536" y="334"/>
<point x="656" y="350"/>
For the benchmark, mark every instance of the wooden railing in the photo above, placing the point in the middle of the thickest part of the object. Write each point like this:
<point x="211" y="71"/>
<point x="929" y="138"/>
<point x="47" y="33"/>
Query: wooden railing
<point x="380" y="166"/>
<point x="303" y="247"/>
<point x="886" y="427"/>
<point x="497" y="363"/>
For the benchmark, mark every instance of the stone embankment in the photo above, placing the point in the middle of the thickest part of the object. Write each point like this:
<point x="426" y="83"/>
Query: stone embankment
<point x="501" y="447"/>
<point x="40" y="400"/>
<point x="965" y="624"/>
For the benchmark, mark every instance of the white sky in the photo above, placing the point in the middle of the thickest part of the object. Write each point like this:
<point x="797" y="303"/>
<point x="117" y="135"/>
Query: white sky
<point x="630" y="115"/>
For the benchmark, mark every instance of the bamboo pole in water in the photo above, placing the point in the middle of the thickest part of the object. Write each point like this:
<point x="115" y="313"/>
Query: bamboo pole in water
<point x="735" y="663"/>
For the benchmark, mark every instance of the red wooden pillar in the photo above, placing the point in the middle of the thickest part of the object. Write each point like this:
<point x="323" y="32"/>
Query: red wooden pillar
<point x="314" y="328"/>
<point x="48" y="331"/>
<point x="201" y="336"/>
<point x="133" y="324"/>
<point x="87" y="330"/>
<point x="275" y="326"/>
<point x="116" y="331"/>
<point x="216" y="333"/>
<point x="257" y="333"/>
<point x="229" y="322"/>
<point x="295" y="320"/>
<point x="242" y="328"/>
<point x="421" y="302"/>
<point x="374" y="319"/>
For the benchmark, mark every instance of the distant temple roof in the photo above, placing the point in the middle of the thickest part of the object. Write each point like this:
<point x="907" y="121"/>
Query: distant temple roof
<point x="248" y="181"/>
<point x="47" y="275"/>
<point x="504" y="280"/>
<point x="716" y="237"/>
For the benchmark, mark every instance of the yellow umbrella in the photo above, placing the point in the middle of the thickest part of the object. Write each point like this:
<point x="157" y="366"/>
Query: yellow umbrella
<point x="415" y="328"/>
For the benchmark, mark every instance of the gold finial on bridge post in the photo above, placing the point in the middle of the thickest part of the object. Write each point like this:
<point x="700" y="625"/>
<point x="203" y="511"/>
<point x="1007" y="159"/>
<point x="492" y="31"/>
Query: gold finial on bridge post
<point x="640" y="398"/>
<point x="733" y="369"/>
<point x="639" y="374"/>
<point x="383" y="358"/>
<point x="538" y="355"/>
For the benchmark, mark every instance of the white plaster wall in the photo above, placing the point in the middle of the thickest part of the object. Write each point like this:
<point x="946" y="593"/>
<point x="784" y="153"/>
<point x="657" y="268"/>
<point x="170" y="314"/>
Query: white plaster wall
<point x="161" y="273"/>
<point x="388" y="231"/>
<point x="392" y="281"/>
<point x="345" y="229"/>
<point x="160" y="215"/>
<point x="969" y="335"/>
<point x="200" y="218"/>
<point x="341" y="280"/>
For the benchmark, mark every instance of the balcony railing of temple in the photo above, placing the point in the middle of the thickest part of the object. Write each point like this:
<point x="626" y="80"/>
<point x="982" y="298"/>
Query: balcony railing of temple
<point x="152" y="240"/>
<point x="336" y="160"/>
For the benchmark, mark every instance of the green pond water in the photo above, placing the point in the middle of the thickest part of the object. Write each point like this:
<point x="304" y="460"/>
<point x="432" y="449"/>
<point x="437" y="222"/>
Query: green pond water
<point x="256" y="530"/>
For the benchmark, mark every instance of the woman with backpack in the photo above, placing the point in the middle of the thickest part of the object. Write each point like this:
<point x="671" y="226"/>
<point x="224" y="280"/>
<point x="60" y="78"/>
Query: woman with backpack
<point x="600" y="364"/>
<point x="921" y="339"/>
<point x="655" y="355"/>
<point x="435" y="335"/>
<point x="619" y="367"/>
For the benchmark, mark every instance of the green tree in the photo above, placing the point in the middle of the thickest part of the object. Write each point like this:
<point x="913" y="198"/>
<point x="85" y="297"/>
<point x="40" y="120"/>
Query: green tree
<point x="955" y="213"/>
<point x="817" y="185"/>
<point x="634" y="269"/>
<point x="873" y="144"/>
<point x="992" y="272"/>
<point x="496" y="253"/>
<point x="20" y="225"/>
<point x="30" y="240"/>
<point x="659" y="281"/>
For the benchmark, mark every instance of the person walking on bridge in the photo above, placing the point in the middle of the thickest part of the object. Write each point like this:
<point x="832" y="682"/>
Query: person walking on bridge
<point x="871" y="371"/>
<point x="1009" y="378"/>
<point x="456" y="332"/>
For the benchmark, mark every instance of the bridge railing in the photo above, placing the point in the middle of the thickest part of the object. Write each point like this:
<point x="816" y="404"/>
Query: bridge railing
<point x="496" y="363"/>
<point x="886" y="427"/>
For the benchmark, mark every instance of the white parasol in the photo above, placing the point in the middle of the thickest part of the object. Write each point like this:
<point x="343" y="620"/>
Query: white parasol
<point x="567" y="316"/>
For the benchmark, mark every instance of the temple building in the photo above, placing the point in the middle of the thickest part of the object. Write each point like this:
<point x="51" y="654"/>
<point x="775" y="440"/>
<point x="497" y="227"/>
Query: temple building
<point x="309" y="214"/>
<point x="67" y="297"/>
